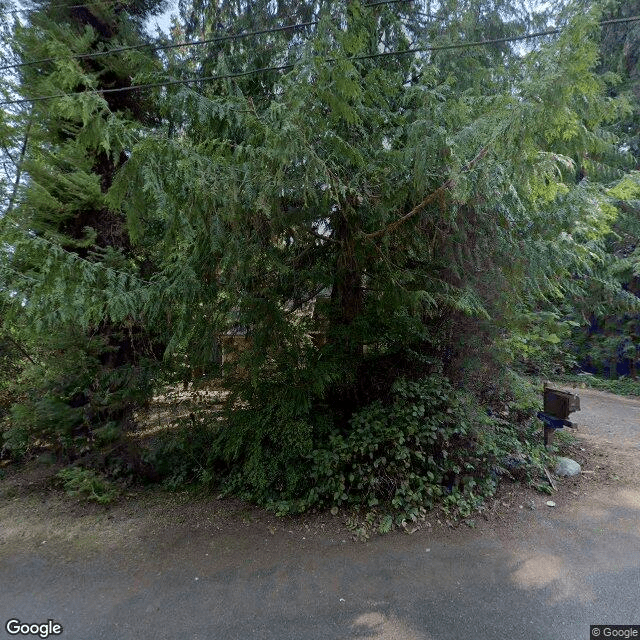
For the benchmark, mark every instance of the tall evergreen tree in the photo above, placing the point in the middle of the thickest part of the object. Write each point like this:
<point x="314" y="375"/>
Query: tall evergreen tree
<point x="71" y="260"/>
<point x="422" y="206"/>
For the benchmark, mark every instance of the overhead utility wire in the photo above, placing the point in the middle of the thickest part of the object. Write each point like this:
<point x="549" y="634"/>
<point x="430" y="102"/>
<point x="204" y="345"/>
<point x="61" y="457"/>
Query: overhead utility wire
<point x="90" y="5"/>
<point x="229" y="76"/>
<point x="154" y="85"/>
<point x="166" y="47"/>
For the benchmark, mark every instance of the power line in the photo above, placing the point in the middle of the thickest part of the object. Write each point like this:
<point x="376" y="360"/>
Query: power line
<point x="99" y="3"/>
<point x="154" y="85"/>
<point x="375" y="4"/>
<point x="619" y="20"/>
<point x="230" y="76"/>
<point x="463" y="45"/>
<point x="99" y="54"/>
<point x="166" y="47"/>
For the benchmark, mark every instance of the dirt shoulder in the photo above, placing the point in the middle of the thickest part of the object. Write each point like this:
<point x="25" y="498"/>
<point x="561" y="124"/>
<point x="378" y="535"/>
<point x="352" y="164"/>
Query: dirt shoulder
<point x="608" y="427"/>
<point x="36" y="516"/>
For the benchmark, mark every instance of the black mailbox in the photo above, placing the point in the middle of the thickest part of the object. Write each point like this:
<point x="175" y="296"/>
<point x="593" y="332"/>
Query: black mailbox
<point x="557" y="407"/>
<point x="560" y="404"/>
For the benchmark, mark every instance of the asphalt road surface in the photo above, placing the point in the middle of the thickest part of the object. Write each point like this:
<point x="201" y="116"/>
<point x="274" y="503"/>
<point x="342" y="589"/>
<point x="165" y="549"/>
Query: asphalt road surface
<point x="543" y="573"/>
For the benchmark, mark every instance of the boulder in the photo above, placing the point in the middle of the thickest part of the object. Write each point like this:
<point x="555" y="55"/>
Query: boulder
<point x="566" y="467"/>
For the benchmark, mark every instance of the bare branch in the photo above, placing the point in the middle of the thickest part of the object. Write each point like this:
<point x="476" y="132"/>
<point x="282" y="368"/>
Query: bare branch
<point x="427" y="201"/>
<point x="19" y="347"/>
<point x="304" y="301"/>
<point x="16" y="183"/>
<point x="319" y="235"/>
<point x="8" y="154"/>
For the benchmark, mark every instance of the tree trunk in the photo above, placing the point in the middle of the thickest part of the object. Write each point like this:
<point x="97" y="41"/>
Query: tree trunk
<point x="347" y="295"/>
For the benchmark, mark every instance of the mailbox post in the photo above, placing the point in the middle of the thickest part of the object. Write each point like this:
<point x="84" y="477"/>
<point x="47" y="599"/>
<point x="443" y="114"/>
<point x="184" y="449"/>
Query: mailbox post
<point x="557" y="407"/>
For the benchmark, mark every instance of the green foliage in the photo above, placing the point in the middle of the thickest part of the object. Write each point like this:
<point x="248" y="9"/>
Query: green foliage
<point x="71" y="399"/>
<point x="621" y="386"/>
<point x="520" y="396"/>
<point x="564" y="438"/>
<point x="47" y="417"/>
<point x="606" y="309"/>
<point x="508" y="441"/>
<point x="13" y="357"/>
<point x="608" y="304"/>
<point x="374" y="226"/>
<point x="395" y="455"/>
<point x="429" y="445"/>
<point x="334" y="181"/>
<point x="182" y="458"/>
<point x="338" y="181"/>
<point x="16" y="440"/>
<point x="264" y="452"/>
<point x="426" y="447"/>
<point x="70" y="279"/>
<point x="86" y="483"/>
<point x="538" y="342"/>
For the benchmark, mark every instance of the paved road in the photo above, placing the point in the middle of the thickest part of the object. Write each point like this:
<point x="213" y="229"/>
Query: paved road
<point x="542" y="574"/>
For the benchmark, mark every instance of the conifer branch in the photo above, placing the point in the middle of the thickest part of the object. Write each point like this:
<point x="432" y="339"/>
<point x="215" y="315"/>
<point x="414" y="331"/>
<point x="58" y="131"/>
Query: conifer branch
<point x="8" y="154"/>
<point x="300" y="303"/>
<point x="447" y="184"/>
<point x="315" y="234"/>
<point x="19" y="347"/>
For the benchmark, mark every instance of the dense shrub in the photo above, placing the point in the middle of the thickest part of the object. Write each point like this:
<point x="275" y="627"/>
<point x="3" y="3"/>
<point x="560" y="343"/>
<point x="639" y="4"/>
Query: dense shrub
<point x="398" y="454"/>
<point x="181" y="458"/>
<point x="428" y="445"/>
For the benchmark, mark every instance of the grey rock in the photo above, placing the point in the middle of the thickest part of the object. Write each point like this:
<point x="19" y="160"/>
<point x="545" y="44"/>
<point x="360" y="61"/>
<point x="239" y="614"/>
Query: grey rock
<point x="566" y="467"/>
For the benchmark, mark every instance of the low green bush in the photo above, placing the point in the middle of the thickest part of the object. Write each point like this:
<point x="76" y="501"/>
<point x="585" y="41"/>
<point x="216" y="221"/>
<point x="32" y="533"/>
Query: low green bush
<point x="78" y="481"/>
<point x="394" y="455"/>
<point x="428" y="445"/>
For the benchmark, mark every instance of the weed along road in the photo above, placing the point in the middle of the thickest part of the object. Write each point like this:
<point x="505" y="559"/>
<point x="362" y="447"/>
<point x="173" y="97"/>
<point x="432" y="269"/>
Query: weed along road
<point x="157" y="567"/>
